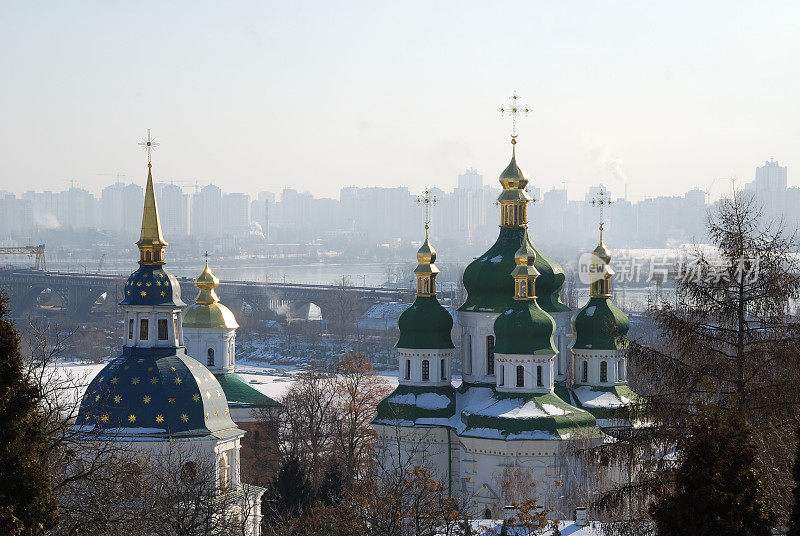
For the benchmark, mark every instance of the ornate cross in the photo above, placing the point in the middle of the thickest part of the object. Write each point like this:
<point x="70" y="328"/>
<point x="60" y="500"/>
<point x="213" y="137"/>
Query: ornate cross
<point x="148" y="145"/>
<point x="427" y="200"/>
<point x="206" y="256"/>
<point x="515" y="109"/>
<point x="601" y="199"/>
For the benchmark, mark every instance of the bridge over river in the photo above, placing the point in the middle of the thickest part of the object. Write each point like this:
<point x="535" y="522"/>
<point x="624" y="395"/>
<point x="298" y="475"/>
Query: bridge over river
<point x="80" y="294"/>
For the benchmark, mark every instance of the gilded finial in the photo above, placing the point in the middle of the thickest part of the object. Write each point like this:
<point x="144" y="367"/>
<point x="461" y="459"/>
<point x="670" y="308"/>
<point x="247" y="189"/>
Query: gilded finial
<point x="151" y="241"/>
<point x="426" y="270"/>
<point x="427" y="201"/>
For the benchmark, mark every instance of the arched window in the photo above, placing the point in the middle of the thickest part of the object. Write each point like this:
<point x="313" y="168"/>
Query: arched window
<point x="442" y="372"/>
<point x="224" y="471"/>
<point x="603" y="371"/>
<point x="130" y="329"/>
<point x="585" y="375"/>
<point x="490" y="355"/>
<point x="143" y="325"/>
<point x="148" y="257"/>
<point x="408" y="369"/>
<point x="487" y="514"/>
<point x="425" y="286"/>
<point x="426" y="370"/>
<point x="520" y="376"/>
<point x="210" y="360"/>
<point x="539" y="381"/>
<point x="502" y="378"/>
<point x="468" y="354"/>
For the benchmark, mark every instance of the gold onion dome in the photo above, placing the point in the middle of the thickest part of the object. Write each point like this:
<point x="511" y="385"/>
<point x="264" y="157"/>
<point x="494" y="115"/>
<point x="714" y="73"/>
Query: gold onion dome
<point x="207" y="311"/>
<point x="513" y="177"/>
<point x="601" y="250"/>
<point x="426" y="254"/>
<point x="525" y="255"/>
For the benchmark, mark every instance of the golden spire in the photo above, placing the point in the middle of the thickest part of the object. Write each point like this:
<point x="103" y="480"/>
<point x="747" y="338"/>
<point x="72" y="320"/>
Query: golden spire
<point x="514" y="198"/>
<point x="151" y="242"/>
<point x="601" y="268"/>
<point x="426" y="270"/>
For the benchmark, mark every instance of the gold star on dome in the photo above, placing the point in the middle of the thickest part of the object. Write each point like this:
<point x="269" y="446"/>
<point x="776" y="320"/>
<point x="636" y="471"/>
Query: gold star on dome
<point x="135" y="381"/>
<point x="166" y="283"/>
<point x="100" y="379"/>
<point x="114" y="380"/>
<point x="163" y="293"/>
<point x="196" y="397"/>
<point x="206" y="415"/>
<point x="117" y="399"/>
<point x="172" y="369"/>
<point x="129" y="293"/>
<point x="138" y="283"/>
<point x="226" y="411"/>
<point x="144" y="275"/>
<point x="131" y="418"/>
<point x="208" y="395"/>
<point x="154" y="380"/>
<point x="146" y="399"/>
<point x="104" y="417"/>
<point x="97" y="398"/>
<point x="148" y="283"/>
<point x="184" y="417"/>
<point x="171" y="400"/>
<point x="178" y="380"/>
<point x="159" y="418"/>
<point x="216" y="413"/>
<point x="144" y="294"/>
<point x="158" y="283"/>
<point x="219" y="394"/>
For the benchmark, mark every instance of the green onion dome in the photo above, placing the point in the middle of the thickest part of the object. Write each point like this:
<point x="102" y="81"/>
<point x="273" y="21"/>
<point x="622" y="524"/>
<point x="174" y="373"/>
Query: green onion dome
<point x="425" y="325"/>
<point x="600" y="325"/>
<point x="152" y="285"/>
<point x="490" y="287"/>
<point x="155" y="392"/>
<point x="525" y="329"/>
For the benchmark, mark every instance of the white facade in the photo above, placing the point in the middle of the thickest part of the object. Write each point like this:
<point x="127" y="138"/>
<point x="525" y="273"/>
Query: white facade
<point x="600" y="368"/>
<point x="477" y="343"/>
<point x="214" y="347"/>
<point x="151" y="327"/>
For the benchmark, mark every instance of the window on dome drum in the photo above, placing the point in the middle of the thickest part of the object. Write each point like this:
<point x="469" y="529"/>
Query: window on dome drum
<point x="408" y="369"/>
<point x="210" y="360"/>
<point x="468" y="354"/>
<point x="148" y="257"/>
<point x="175" y="323"/>
<point x="502" y="375"/>
<point x="539" y="381"/>
<point x="224" y="471"/>
<point x="162" y="329"/>
<point x="603" y="371"/>
<point x="425" y="286"/>
<point x="443" y="374"/>
<point x="520" y="376"/>
<point x="130" y="329"/>
<point x="585" y="375"/>
<point x="490" y="355"/>
<point x="143" y="325"/>
<point x="530" y="291"/>
<point x="620" y="370"/>
<point x="426" y="370"/>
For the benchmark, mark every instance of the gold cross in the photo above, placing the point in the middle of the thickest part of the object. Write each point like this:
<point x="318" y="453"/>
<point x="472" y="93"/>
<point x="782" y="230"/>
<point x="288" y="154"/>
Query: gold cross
<point x="601" y="199"/>
<point x="427" y="200"/>
<point x="148" y="145"/>
<point x="515" y="109"/>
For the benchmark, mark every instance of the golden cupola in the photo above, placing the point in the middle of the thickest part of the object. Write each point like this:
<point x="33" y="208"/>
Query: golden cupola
<point x="601" y="269"/>
<point x="525" y="273"/>
<point x="513" y="199"/>
<point x="426" y="271"/>
<point x="151" y="242"/>
<point x="207" y="311"/>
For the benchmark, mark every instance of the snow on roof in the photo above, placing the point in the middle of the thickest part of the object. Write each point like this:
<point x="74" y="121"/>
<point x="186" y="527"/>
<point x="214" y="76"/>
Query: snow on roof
<point x="567" y="528"/>
<point x="595" y="398"/>
<point x="422" y="400"/>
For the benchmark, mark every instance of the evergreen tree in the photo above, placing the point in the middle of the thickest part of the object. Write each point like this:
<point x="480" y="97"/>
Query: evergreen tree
<point x="717" y="487"/>
<point x="290" y="490"/>
<point x="27" y="507"/>
<point x="332" y="487"/>
<point x="794" y="519"/>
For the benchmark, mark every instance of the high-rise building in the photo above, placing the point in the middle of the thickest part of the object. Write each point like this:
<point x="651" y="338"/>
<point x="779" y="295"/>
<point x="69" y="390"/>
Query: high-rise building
<point x="236" y="212"/>
<point x="206" y="214"/>
<point x="175" y="209"/>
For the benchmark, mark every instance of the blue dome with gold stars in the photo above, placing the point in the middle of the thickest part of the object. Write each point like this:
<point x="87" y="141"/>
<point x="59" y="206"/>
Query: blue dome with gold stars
<point x="156" y="392"/>
<point x="151" y="284"/>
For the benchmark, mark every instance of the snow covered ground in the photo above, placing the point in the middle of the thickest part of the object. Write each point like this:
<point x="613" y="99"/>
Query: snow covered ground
<point x="271" y="380"/>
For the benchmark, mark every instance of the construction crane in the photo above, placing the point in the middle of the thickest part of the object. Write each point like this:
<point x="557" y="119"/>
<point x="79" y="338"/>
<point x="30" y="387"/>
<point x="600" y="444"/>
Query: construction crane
<point x="40" y="263"/>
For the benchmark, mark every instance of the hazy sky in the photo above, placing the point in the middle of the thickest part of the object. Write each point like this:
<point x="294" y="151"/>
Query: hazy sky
<point x="261" y="95"/>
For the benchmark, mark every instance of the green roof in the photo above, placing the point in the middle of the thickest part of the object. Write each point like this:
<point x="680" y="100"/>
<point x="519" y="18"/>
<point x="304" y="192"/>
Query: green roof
<point x="490" y="287"/>
<point x="525" y="329"/>
<point x="410" y="405"/>
<point x="523" y="416"/>
<point x="425" y="325"/>
<point x="599" y="325"/>
<point x="240" y="394"/>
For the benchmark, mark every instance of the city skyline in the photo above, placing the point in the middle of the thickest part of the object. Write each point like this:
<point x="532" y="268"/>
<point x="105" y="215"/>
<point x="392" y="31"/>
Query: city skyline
<point x="362" y="94"/>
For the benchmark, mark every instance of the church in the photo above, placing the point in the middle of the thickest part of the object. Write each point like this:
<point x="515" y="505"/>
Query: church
<point x="158" y="396"/>
<point x="539" y="381"/>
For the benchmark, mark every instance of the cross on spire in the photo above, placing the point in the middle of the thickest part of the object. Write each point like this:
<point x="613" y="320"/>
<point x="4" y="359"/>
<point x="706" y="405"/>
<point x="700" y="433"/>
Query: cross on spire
<point x="148" y="144"/>
<point x="206" y="256"/>
<point x="515" y="108"/>
<point x="427" y="200"/>
<point x="601" y="200"/>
